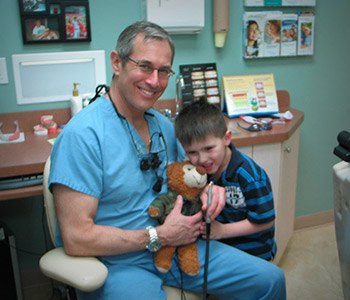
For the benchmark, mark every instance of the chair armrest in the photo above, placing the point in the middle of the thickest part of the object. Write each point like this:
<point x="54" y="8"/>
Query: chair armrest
<point x="83" y="273"/>
<point x="176" y="293"/>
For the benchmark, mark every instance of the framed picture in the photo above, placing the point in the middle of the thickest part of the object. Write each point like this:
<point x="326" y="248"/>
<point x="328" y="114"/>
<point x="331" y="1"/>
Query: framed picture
<point x="33" y="6"/>
<point x="55" y="21"/>
<point x="76" y="22"/>
<point x="41" y="29"/>
<point x="55" y="9"/>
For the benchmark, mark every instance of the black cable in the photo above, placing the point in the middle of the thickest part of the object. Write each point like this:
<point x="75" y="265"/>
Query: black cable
<point x="207" y="241"/>
<point x="27" y="251"/>
<point x="36" y="253"/>
<point x="22" y="250"/>
<point x="205" y="284"/>
<point x="98" y="91"/>
<point x="183" y="296"/>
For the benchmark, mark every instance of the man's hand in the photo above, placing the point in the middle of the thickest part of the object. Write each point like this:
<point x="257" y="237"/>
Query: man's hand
<point x="178" y="229"/>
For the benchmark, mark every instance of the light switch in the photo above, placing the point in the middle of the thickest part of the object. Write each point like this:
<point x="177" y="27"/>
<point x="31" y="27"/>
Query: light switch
<point x="3" y="71"/>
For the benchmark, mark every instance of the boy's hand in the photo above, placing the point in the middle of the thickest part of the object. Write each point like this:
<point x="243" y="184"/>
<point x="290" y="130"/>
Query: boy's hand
<point x="216" y="230"/>
<point x="218" y="201"/>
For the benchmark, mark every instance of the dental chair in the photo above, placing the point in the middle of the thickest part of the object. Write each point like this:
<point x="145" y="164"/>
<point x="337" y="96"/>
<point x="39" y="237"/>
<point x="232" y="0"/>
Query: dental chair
<point x="83" y="273"/>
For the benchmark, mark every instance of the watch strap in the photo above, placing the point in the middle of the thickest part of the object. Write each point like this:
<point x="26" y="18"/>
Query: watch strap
<point x="154" y="242"/>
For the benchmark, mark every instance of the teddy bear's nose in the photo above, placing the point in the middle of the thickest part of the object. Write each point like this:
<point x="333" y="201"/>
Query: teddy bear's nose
<point x="200" y="170"/>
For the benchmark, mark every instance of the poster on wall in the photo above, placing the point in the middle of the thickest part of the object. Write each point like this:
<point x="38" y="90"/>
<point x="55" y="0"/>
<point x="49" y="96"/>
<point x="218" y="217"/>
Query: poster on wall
<point x="279" y="3"/>
<point x="298" y="2"/>
<point x="274" y="33"/>
<point x="253" y="34"/>
<point x="262" y="34"/>
<point x="289" y="34"/>
<point x="253" y="95"/>
<point x="306" y="34"/>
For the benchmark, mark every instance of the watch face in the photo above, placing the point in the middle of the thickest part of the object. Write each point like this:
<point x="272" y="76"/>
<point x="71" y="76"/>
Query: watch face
<point x="154" y="246"/>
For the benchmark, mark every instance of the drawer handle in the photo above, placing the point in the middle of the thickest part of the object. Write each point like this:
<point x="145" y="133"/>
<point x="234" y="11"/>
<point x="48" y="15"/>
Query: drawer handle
<point x="287" y="149"/>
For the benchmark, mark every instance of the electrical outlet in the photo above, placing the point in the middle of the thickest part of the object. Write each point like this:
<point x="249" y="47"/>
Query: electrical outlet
<point x="3" y="71"/>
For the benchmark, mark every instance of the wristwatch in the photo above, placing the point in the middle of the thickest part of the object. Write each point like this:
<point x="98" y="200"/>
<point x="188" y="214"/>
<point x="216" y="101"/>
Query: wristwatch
<point x="154" y="242"/>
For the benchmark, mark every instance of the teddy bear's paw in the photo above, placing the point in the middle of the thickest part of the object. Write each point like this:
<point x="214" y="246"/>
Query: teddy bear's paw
<point x="163" y="270"/>
<point x="193" y="271"/>
<point x="163" y="266"/>
<point x="153" y="211"/>
<point x="163" y="258"/>
<point x="189" y="265"/>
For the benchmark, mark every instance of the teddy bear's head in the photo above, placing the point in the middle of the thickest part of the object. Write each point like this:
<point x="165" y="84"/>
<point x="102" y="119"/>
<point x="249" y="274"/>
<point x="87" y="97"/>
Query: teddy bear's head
<point x="186" y="179"/>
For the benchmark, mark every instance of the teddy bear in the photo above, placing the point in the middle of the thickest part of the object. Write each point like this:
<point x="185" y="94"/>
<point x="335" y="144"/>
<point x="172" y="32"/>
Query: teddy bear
<point x="188" y="181"/>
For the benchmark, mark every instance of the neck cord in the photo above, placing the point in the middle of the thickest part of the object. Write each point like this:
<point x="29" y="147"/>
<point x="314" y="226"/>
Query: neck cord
<point x="159" y="178"/>
<point x="139" y="152"/>
<point x="129" y="129"/>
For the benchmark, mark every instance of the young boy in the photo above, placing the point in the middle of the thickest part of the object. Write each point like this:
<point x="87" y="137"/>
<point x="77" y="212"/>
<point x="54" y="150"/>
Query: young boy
<point x="247" y="220"/>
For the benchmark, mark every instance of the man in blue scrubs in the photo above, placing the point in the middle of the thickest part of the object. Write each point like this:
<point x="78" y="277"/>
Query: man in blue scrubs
<point x="107" y="166"/>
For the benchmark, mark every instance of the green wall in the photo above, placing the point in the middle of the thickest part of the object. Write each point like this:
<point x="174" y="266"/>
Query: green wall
<point x="317" y="84"/>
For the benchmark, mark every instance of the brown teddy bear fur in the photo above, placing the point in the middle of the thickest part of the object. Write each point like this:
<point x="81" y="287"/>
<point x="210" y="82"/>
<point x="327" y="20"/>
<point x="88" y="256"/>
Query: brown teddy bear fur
<point x="161" y="207"/>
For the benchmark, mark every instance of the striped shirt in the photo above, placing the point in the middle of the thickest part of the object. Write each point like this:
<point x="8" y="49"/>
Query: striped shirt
<point x="248" y="196"/>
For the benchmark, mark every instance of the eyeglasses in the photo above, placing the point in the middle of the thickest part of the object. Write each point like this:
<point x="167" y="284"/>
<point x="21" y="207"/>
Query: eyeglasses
<point x="152" y="162"/>
<point x="146" y="68"/>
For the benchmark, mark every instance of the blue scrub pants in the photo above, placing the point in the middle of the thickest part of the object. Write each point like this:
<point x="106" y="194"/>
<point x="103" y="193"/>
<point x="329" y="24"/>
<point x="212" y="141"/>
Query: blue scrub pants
<point x="232" y="274"/>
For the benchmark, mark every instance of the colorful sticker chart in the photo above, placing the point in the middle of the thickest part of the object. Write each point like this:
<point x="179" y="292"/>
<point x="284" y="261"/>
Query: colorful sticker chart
<point x="253" y="95"/>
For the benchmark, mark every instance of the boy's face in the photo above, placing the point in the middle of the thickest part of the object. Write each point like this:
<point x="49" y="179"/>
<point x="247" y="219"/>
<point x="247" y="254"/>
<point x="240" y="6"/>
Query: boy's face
<point x="211" y="153"/>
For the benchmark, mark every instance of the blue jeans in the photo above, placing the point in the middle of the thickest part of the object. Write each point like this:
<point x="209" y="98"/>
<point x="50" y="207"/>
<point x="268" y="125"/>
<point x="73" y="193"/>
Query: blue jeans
<point x="232" y="274"/>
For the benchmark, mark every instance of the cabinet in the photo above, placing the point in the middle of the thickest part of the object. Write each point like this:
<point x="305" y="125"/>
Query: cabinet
<point x="280" y="161"/>
<point x="175" y="16"/>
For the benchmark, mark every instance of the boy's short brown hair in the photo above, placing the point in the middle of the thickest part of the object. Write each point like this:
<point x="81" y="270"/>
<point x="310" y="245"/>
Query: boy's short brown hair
<point x="199" y="120"/>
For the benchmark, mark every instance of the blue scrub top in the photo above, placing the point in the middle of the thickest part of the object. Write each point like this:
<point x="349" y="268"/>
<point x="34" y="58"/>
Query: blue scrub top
<point x="99" y="153"/>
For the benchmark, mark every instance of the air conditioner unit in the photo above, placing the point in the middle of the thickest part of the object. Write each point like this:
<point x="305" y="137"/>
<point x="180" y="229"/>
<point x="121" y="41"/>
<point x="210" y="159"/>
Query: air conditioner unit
<point x="175" y="16"/>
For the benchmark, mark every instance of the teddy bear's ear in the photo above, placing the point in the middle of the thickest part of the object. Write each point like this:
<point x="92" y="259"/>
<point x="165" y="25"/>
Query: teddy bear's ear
<point x="176" y="164"/>
<point x="170" y="167"/>
<point x="175" y="173"/>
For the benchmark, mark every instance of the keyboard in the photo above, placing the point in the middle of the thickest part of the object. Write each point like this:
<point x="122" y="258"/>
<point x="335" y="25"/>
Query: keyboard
<point x="21" y="181"/>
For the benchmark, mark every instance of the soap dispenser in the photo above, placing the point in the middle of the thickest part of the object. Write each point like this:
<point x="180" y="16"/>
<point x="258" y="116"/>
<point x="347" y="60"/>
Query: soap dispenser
<point x="76" y="103"/>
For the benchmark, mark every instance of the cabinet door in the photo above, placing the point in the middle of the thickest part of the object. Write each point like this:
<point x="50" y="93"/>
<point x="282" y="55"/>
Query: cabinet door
<point x="280" y="161"/>
<point x="268" y="156"/>
<point x="247" y="150"/>
<point x="287" y="192"/>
